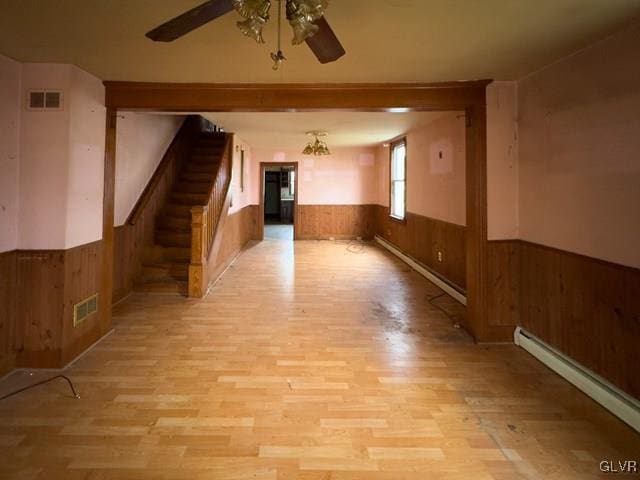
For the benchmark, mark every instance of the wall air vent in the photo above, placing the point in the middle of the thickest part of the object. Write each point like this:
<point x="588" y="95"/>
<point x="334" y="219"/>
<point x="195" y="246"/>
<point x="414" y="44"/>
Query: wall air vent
<point x="44" y="100"/>
<point x="84" y="308"/>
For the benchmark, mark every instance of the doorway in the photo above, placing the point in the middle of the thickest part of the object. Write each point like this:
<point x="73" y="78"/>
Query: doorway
<point x="278" y="200"/>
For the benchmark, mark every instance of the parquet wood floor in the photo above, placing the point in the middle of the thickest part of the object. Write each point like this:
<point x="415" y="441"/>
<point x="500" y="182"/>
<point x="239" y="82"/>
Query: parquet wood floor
<point x="309" y="362"/>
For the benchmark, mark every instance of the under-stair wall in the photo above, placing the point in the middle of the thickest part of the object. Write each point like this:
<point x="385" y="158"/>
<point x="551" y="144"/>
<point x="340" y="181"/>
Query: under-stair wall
<point x="139" y="228"/>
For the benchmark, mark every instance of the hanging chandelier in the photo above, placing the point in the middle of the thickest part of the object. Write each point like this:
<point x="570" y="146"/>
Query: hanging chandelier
<point x="318" y="147"/>
<point x="300" y="13"/>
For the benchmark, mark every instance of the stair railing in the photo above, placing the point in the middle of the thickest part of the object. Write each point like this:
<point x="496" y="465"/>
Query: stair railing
<point x="204" y="222"/>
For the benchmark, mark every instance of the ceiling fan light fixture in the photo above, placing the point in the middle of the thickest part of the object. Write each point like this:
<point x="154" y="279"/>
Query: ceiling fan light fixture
<point x="302" y="29"/>
<point x="317" y="147"/>
<point x="301" y="15"/>
<point x="252" y="28"/>
<point x="322" y="149"/>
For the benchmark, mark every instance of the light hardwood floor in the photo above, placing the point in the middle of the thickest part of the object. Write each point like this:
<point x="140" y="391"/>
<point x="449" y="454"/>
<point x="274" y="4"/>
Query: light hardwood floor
<point x="306" y="361"/>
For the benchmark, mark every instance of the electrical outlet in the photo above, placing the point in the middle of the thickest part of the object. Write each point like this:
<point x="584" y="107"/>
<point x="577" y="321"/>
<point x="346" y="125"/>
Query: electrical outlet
<point x="389" y="231"/>
<point x="439" y="256"/>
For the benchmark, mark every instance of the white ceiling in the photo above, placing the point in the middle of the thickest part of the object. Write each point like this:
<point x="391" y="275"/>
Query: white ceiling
<point x="345" y="129"/>
<point x="385" y="40"/>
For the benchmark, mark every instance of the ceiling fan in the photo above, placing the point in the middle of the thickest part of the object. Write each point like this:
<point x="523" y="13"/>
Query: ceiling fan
<point x="306" y="17"/>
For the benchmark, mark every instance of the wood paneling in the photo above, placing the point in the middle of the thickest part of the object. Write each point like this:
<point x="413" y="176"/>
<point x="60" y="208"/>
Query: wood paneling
<point x="108" y="213"/>
<point x="588" y="309"/>
<point x="239" y="228"/>
<point x="37" y="296"/>
<point x="422" y="238"/>
<point x="7" y="311"/>
<point x="337" y="221"/>
<point x="83" y="268"/>
<point x="504" y="279"/>
<point x="40" y="300"/>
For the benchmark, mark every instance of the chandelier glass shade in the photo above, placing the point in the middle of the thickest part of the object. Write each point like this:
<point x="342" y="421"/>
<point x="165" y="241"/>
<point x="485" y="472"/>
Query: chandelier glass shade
<point x="318" y="147"/>
<point x="301" y="15"/>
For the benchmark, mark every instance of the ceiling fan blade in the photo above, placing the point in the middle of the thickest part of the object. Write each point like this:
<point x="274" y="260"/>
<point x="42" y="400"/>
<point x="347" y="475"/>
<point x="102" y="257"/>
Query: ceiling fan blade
<point x="188" y="21"/>
<point x="324" y="43"/>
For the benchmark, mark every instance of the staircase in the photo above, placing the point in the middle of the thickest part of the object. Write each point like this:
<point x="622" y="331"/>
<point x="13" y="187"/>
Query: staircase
<point x="165" y="265"/>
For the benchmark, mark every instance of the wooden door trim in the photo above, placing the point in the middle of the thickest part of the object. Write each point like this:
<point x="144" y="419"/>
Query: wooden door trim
<point x="263" y="166"/>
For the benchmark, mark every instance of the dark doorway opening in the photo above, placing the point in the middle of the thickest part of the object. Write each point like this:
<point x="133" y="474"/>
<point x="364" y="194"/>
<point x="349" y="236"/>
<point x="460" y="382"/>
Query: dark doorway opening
<point x="278" y="200"/>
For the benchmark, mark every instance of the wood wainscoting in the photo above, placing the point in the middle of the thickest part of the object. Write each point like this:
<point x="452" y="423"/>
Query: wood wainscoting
<point x="8" y="306"/>
<point x="504" y="283"/>
<point x="38" y="297"/>
<point x="240" y="227"/>
<point x="587" y="308"/>
<point x="335" y="221"/>
<point x="422" y="238"/>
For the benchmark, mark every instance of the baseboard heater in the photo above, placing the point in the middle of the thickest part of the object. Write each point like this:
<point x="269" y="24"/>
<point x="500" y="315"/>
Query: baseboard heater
<point x="623" y="406"/>
<point x="422" y="270"/>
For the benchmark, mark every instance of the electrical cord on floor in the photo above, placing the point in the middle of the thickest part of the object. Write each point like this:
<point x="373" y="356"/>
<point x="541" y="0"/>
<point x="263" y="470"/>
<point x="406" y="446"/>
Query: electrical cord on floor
<point x="73" y="390"/>
<point x="431" y="299"/>
<point x="353" y="246"/>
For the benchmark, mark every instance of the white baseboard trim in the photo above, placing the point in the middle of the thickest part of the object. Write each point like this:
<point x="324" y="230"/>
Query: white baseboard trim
<point x="610" y="397"/>
<point x="422" y="271"/>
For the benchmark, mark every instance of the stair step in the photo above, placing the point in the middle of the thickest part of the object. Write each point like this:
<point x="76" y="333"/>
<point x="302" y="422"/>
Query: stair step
<point x="177" y="210"/>
<point x="192" y="187"/>
<point x="168" y="222"/>
<point x="187" y="198"/>
<point x="218" y="140"/>
<point x="160" y="253"/>
<point x="164" y="271"/>
<point x="209" y="168"/>
<point x="171" y="238"/>
<point x="196" y="177"/>
<point x="162" y="287"/>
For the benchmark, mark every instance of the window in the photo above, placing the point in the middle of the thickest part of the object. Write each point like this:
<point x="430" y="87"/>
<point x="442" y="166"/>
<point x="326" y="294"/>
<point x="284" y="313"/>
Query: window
<point x="292" y="183"/>
<point x="398" y="176"/>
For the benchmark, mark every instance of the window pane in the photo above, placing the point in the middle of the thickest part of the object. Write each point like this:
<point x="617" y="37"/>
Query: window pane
<point x="397" y="162"/>
<point x="397" y="199"/>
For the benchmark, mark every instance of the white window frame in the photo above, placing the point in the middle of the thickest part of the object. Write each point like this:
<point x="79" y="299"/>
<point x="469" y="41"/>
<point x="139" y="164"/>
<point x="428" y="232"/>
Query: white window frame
<point x="394" y="182"/>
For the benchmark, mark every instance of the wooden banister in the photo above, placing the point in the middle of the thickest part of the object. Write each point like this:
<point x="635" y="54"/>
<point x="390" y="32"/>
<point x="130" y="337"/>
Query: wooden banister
<point x="205" y="220"/>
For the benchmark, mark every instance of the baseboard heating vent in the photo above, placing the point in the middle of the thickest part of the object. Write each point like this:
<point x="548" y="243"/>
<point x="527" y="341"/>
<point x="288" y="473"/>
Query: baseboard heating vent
<point x="84" y="308"/>
<point x="623" y="406"/>
<point x="422" y="271"/>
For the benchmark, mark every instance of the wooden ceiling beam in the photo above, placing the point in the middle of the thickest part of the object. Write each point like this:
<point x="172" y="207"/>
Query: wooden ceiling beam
<point x="228" y="97"/>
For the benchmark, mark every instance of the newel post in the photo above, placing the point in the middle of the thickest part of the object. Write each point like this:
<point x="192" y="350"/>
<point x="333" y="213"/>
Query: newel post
<point x="197" y="269"/>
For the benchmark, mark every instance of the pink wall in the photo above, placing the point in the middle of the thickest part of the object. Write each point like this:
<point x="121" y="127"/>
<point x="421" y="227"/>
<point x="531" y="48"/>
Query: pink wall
<point x="502" y="161"/>
<point x="44" y="154"/>
<point x="10" y="73"/>
<point x="85" y="175"/>
<point x="580" y="149"/>
<point x="435" y="170"/>
<point x="140" y="145"/>
<point x="347" y="177"/>
<point x="241" y="197"/>
<point x="59" y="180"/>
